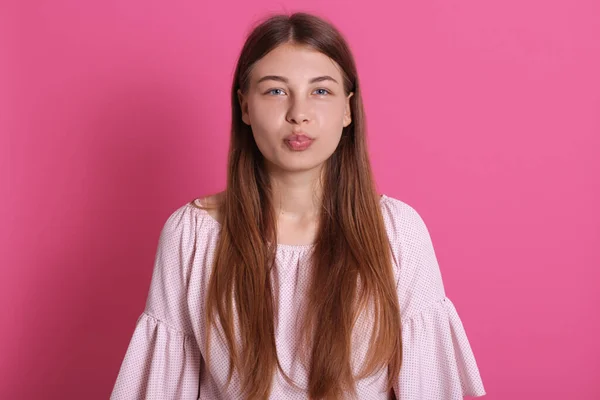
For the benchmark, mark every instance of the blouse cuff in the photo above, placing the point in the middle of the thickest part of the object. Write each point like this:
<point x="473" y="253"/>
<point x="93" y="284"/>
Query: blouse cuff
<point x="437" y="361"/>
<point x="161" y="363"/>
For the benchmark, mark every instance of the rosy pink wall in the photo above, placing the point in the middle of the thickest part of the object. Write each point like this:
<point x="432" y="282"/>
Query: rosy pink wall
<point x="485" y="116"/>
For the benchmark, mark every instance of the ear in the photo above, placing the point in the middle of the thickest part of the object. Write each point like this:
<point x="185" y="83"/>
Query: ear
<point x="244" y="107"/>
<point x="348" y="111"/>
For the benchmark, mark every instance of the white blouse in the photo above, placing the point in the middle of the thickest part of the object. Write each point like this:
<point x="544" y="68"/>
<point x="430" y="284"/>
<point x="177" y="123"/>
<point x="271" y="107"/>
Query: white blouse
<point x="165" y="356"/>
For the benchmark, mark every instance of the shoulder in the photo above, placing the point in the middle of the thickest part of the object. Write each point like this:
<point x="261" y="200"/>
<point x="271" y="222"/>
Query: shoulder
<point x="403" y="222"/>
<point x="185" y="238"/>
<point x="211" y="204"/>
<point x="419" y="279"/>
<point x="197" y="217"/>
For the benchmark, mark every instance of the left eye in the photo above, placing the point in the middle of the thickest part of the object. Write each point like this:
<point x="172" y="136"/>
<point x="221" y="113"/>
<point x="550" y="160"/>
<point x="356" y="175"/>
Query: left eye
<point x="322" y="91"/>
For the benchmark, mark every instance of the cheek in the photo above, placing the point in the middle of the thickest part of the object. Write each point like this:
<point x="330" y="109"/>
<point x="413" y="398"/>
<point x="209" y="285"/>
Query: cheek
<point x="331" y="116"/>
<point x="266" y="117"/>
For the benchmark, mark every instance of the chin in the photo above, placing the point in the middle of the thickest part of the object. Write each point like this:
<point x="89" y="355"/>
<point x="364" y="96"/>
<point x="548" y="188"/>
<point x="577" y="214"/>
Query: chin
<point x="300" y="166"/>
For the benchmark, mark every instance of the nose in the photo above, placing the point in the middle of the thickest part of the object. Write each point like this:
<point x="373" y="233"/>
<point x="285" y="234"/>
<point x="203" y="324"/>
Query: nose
<point x="298" y="111"/>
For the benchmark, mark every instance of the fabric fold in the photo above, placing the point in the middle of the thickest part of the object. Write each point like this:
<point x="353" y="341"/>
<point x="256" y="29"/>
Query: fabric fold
<point x="438" y="362"/>
<point x="160" y="363"/>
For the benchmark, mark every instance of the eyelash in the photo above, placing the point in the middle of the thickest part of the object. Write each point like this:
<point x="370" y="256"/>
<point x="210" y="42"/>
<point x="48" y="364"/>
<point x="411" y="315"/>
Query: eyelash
<point x="328" y="92"/>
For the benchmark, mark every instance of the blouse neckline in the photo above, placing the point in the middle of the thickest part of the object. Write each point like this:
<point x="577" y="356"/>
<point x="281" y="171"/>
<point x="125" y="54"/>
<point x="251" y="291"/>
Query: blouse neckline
<point x="280" y="246"/>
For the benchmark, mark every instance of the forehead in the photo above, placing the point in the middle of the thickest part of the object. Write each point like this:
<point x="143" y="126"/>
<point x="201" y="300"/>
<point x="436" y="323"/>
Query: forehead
<point x="297" y="63"/>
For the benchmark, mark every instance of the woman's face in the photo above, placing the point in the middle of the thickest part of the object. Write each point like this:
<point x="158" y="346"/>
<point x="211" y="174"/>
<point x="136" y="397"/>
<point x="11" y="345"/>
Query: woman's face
<point x="296" y="90"/>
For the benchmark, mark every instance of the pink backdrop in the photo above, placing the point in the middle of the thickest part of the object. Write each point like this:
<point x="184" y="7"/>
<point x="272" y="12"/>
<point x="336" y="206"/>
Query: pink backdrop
<point x="484" y="116"/>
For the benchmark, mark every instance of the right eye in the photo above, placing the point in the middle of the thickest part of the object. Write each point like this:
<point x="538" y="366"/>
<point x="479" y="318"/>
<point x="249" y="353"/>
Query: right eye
<point x="276" y="92"/>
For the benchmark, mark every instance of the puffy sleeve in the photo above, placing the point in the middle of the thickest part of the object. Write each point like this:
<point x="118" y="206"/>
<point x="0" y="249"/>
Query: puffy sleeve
<point x="163" y="359"/>
<point x="438" y="362"/>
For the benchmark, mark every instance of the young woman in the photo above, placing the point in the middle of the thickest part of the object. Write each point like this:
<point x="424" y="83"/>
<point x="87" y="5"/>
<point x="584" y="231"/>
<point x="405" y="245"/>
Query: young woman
<point x="298" y="281"/>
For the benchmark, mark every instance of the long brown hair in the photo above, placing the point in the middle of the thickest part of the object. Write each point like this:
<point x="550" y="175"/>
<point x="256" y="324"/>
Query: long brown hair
<point x="351" y="261"/>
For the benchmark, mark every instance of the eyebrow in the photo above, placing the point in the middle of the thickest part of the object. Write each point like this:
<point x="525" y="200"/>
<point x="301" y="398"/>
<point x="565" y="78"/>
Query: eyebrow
<point x="285" y="80"/>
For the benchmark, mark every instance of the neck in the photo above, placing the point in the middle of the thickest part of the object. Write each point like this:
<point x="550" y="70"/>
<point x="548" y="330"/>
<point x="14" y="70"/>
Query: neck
<point x="296" y="196"/>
